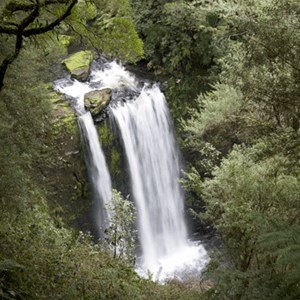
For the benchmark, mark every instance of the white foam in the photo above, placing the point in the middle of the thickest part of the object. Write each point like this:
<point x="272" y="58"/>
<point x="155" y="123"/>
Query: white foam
<point x="187" y="261"/>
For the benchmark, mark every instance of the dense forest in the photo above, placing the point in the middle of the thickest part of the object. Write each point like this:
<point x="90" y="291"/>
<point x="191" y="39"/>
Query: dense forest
<point x="230" y="70"/>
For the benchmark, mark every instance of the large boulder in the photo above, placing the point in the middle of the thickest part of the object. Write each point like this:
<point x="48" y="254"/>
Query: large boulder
<point x="96" y="101"/>
<point x="79" y="64"/>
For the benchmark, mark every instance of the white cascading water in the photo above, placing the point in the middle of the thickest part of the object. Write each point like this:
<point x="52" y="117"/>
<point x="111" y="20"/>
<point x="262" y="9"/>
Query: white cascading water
<point x="98" y="171"/>
<point x="146" y="130"/>
<point x="154" y="166"/>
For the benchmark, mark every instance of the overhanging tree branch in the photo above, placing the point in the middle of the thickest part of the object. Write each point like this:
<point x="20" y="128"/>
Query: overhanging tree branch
<point x="51" y="26"/>
<point x="29" y="19"/>
<point x="8" y="30"/>
<point x="19" y="41"/>
<point x="13" y="7"/>
<point x="20" y="32"/>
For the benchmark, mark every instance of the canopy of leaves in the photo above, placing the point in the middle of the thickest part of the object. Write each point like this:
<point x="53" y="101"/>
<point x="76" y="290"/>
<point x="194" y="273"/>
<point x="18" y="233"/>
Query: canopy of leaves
<point x="252" y="192"/>
<point x="181" y="45"/>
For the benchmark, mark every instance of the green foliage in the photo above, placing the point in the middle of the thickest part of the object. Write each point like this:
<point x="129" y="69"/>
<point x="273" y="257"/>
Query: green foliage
<point x="219" y="120"/>
<point x="252" y="187"/>
<point x="86" y="10"/>
<point x="120" y="235"/>
<point x="23" y="125"/>
<point x="286" y="258"/>
<point x="177" y="35"/>
<point x="252" y="118"/>
<point x="110" y="29"/>
<point x="245" y="200"/>
<point x="119" y="38"/>
<point x="258" y="90"/>
<point x="61" y="264"/>
<point x="181" y="46"/>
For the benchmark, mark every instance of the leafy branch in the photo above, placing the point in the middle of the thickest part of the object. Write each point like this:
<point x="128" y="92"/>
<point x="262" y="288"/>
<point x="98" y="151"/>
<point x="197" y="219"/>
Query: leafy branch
<point x="22" y="29"/>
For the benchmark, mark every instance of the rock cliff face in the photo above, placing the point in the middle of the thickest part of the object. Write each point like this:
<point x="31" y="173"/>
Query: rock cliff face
<point x="66" y="175"/>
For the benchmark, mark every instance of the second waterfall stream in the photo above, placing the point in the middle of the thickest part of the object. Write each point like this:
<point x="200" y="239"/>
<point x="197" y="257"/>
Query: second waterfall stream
<point x="143" y="123"/>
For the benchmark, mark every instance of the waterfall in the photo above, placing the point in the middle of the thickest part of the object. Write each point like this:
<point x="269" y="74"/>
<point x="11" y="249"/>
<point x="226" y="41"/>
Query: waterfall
<point x="140" y="114"/>
<point x="154" y="165"/>
<point x="97" y="169"/>
<point x="95" y="160"/>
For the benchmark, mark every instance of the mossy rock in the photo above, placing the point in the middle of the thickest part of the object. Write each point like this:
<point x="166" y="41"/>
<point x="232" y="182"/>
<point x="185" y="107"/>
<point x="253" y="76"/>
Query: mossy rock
<point x="79" y="64"/>
<point x="96" y="101"/>
<point x="63" y="114"/>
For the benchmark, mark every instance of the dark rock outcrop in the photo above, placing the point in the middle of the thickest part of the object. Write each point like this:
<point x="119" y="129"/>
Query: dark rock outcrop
<point x="96" y="101"/>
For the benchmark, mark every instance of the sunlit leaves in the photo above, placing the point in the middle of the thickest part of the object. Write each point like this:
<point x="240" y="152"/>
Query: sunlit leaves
<point x="120" y="234"/>
<point x="118" y="38"/>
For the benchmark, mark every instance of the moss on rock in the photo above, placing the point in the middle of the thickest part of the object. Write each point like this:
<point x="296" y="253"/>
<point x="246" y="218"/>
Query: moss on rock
<point x="115" y="157"/>
<point x="108" y="144"/>
<point x="67" y="185"/>
<point x="96" y="101"/>
<point x="79" y="64"/>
